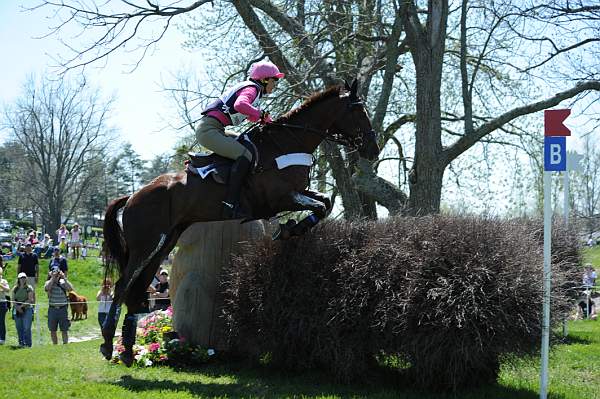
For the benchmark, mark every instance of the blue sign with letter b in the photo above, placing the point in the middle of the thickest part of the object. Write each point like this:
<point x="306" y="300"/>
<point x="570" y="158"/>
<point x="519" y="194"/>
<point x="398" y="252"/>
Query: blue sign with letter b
<point x="555" y="153"/>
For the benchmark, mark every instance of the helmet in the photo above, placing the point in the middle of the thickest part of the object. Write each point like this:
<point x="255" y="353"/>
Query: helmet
<point x="265" y="69"/>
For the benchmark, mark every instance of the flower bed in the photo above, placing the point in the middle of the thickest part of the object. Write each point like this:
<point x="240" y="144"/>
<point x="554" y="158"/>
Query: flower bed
<point x="158" y="344"/>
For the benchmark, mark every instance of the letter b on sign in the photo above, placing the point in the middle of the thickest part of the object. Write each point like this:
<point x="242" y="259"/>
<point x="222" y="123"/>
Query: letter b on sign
<point x="555" y="153"/>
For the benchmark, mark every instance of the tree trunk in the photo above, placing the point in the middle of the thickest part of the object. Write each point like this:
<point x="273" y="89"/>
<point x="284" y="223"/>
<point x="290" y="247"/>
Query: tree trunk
<point x="349" y="194"/>
<point x="427" y="50"/>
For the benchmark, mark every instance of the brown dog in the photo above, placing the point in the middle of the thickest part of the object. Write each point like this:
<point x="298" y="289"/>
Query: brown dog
<point x="79" y="306"/>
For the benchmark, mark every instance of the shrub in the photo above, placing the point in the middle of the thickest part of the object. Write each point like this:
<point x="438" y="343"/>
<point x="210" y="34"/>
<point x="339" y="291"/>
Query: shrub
<point x="449" y="295"/>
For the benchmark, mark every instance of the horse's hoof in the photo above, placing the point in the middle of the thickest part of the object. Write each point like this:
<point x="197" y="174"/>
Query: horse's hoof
<point x="106" y="351"/>
<point x="282" y="233"/>
<point x="127" y="358"/>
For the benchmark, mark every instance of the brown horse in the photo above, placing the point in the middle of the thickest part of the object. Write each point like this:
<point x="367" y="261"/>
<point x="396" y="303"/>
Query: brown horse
<point x="154" y="217"/>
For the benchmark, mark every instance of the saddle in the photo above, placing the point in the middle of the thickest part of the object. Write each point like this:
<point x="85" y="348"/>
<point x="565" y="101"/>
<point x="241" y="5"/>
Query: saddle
<point x="216" y="166"/>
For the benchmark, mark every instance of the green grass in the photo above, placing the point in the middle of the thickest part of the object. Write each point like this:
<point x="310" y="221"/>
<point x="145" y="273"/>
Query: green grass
<point x="592" y="255"/>
<point x="77" y="370"/>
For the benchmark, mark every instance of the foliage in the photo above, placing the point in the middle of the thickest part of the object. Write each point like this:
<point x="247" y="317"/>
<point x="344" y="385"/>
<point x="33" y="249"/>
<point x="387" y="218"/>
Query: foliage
<point x="25" y="224"/>
<point x="448" y="296"/>
<point x="157" y="344"/>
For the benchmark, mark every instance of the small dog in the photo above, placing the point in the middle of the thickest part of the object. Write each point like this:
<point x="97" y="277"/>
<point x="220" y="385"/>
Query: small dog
<point x="79" y="306"/>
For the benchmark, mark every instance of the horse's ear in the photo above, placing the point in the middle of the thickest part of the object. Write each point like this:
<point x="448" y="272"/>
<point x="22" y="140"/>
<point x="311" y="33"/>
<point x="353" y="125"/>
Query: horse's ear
<point x="354" y="89"/>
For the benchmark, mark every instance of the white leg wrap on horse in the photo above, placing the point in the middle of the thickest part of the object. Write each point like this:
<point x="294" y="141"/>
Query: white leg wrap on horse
<point x="143" y="265"/>
<point x="307" y="201"/>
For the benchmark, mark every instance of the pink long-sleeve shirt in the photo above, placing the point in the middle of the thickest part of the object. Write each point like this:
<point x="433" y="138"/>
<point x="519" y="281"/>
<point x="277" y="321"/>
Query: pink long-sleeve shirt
<point x="243" y="105"/>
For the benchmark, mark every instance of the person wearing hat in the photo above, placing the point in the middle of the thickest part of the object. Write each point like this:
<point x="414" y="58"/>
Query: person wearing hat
<point x="75" y="240"/>
<point x="57" y="287"/>
<point x="24" y="297"/>
<point x="32" y="238"/>
<point x="29" y="264"/>
<point x="58" y="261"/>
<point x="161" y="294"/>
<point x="236" y="104"/>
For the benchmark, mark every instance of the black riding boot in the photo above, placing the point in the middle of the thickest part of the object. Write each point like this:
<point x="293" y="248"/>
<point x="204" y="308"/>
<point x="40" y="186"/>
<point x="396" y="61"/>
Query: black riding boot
<point x="231" y="205"/>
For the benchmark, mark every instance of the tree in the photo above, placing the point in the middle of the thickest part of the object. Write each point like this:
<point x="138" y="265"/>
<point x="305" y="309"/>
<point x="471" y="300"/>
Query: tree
<point x="156" y="166"/>
<point x="126" y="170"/>
<point x="586" y="187"/>
<point x="494" y="51"/>
<point x="60" y="129"/>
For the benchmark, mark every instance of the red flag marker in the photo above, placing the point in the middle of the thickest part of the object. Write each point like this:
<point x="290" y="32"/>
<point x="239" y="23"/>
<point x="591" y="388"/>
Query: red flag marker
<point x="553" y="122"/>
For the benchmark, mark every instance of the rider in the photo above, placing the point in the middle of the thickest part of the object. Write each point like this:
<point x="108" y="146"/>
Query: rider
<point x="234" y="105"/>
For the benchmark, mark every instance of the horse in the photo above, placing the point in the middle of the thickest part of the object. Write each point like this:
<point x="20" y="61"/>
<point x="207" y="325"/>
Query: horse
<point x="154" y="217"/>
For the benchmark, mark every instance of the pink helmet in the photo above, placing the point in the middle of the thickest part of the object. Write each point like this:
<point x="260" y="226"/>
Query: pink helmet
<point x="265" y="69"/>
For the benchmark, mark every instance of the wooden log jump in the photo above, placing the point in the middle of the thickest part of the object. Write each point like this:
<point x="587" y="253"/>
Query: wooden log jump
<point x="204" y="248"/>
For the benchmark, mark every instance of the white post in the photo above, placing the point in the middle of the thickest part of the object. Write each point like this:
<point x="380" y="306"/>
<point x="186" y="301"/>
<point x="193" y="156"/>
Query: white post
<point x="547" y="285"/>
<point x="566" y="209"/>
<point x="566" y="195"/>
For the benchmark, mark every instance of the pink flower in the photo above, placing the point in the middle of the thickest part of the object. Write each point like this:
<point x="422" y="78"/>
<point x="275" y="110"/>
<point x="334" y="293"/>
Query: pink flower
<point x="154" y="346"/>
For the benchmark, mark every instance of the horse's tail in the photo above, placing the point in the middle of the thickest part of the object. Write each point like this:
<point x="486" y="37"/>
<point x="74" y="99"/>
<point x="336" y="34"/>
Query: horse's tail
<point x="114" y="247"/>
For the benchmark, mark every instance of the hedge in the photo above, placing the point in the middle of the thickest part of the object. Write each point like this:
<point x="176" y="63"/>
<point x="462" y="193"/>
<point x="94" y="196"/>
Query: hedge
<point x="447" y="297"/>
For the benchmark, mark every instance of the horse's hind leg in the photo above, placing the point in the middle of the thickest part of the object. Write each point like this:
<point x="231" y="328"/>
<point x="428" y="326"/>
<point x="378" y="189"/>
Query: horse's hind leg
<point x="137" y="295"/>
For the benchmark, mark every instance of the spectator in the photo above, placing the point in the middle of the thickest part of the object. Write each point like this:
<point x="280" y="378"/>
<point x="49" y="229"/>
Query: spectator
<point x="24" y="299"/>
<point x="44" y="247"/>
<point x="32" y="238"/>
<point x="83" y="252"/>
<point x="62" y="244"/>
<point x="57" y="287"/>
<point x="75" y="240"/>
<point x="589" y="277"/>
<point x="28" y="264"/>
<point x="161" y="295"/>
<point x="590" y="242"/>
<point x="62" y="232"/>
<point x="105" y="297"/>
<point x="152" y="287"/>
<point x="58" y="261"/>
<point x="4" y="292"/>
<point x="586" y="306"/>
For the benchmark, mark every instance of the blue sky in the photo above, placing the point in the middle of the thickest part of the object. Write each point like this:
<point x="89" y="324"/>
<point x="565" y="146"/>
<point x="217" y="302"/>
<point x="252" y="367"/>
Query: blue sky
<point x="140" y="110"/>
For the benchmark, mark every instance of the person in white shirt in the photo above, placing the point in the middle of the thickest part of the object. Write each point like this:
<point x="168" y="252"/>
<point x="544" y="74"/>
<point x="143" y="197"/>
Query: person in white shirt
<point x="75" y="240"/>
<point x="105" y="297"/>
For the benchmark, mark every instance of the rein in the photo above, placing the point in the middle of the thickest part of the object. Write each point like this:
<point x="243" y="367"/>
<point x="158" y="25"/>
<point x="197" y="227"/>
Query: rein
<point x="323" y="134"/>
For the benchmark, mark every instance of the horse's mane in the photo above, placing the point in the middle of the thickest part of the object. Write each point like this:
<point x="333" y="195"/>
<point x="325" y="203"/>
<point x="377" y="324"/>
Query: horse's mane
<point x="310" y="101"/>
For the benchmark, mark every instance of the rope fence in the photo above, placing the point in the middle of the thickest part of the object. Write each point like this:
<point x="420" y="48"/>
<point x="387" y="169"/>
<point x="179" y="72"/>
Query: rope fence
<point x="38" y="306"/>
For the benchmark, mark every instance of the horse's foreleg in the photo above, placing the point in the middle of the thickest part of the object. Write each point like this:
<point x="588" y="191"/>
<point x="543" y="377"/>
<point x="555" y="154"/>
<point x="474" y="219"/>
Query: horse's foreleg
<point x="324" y="198"/>
<point x="301" y="202"/>
<point x="128" y="338"/>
